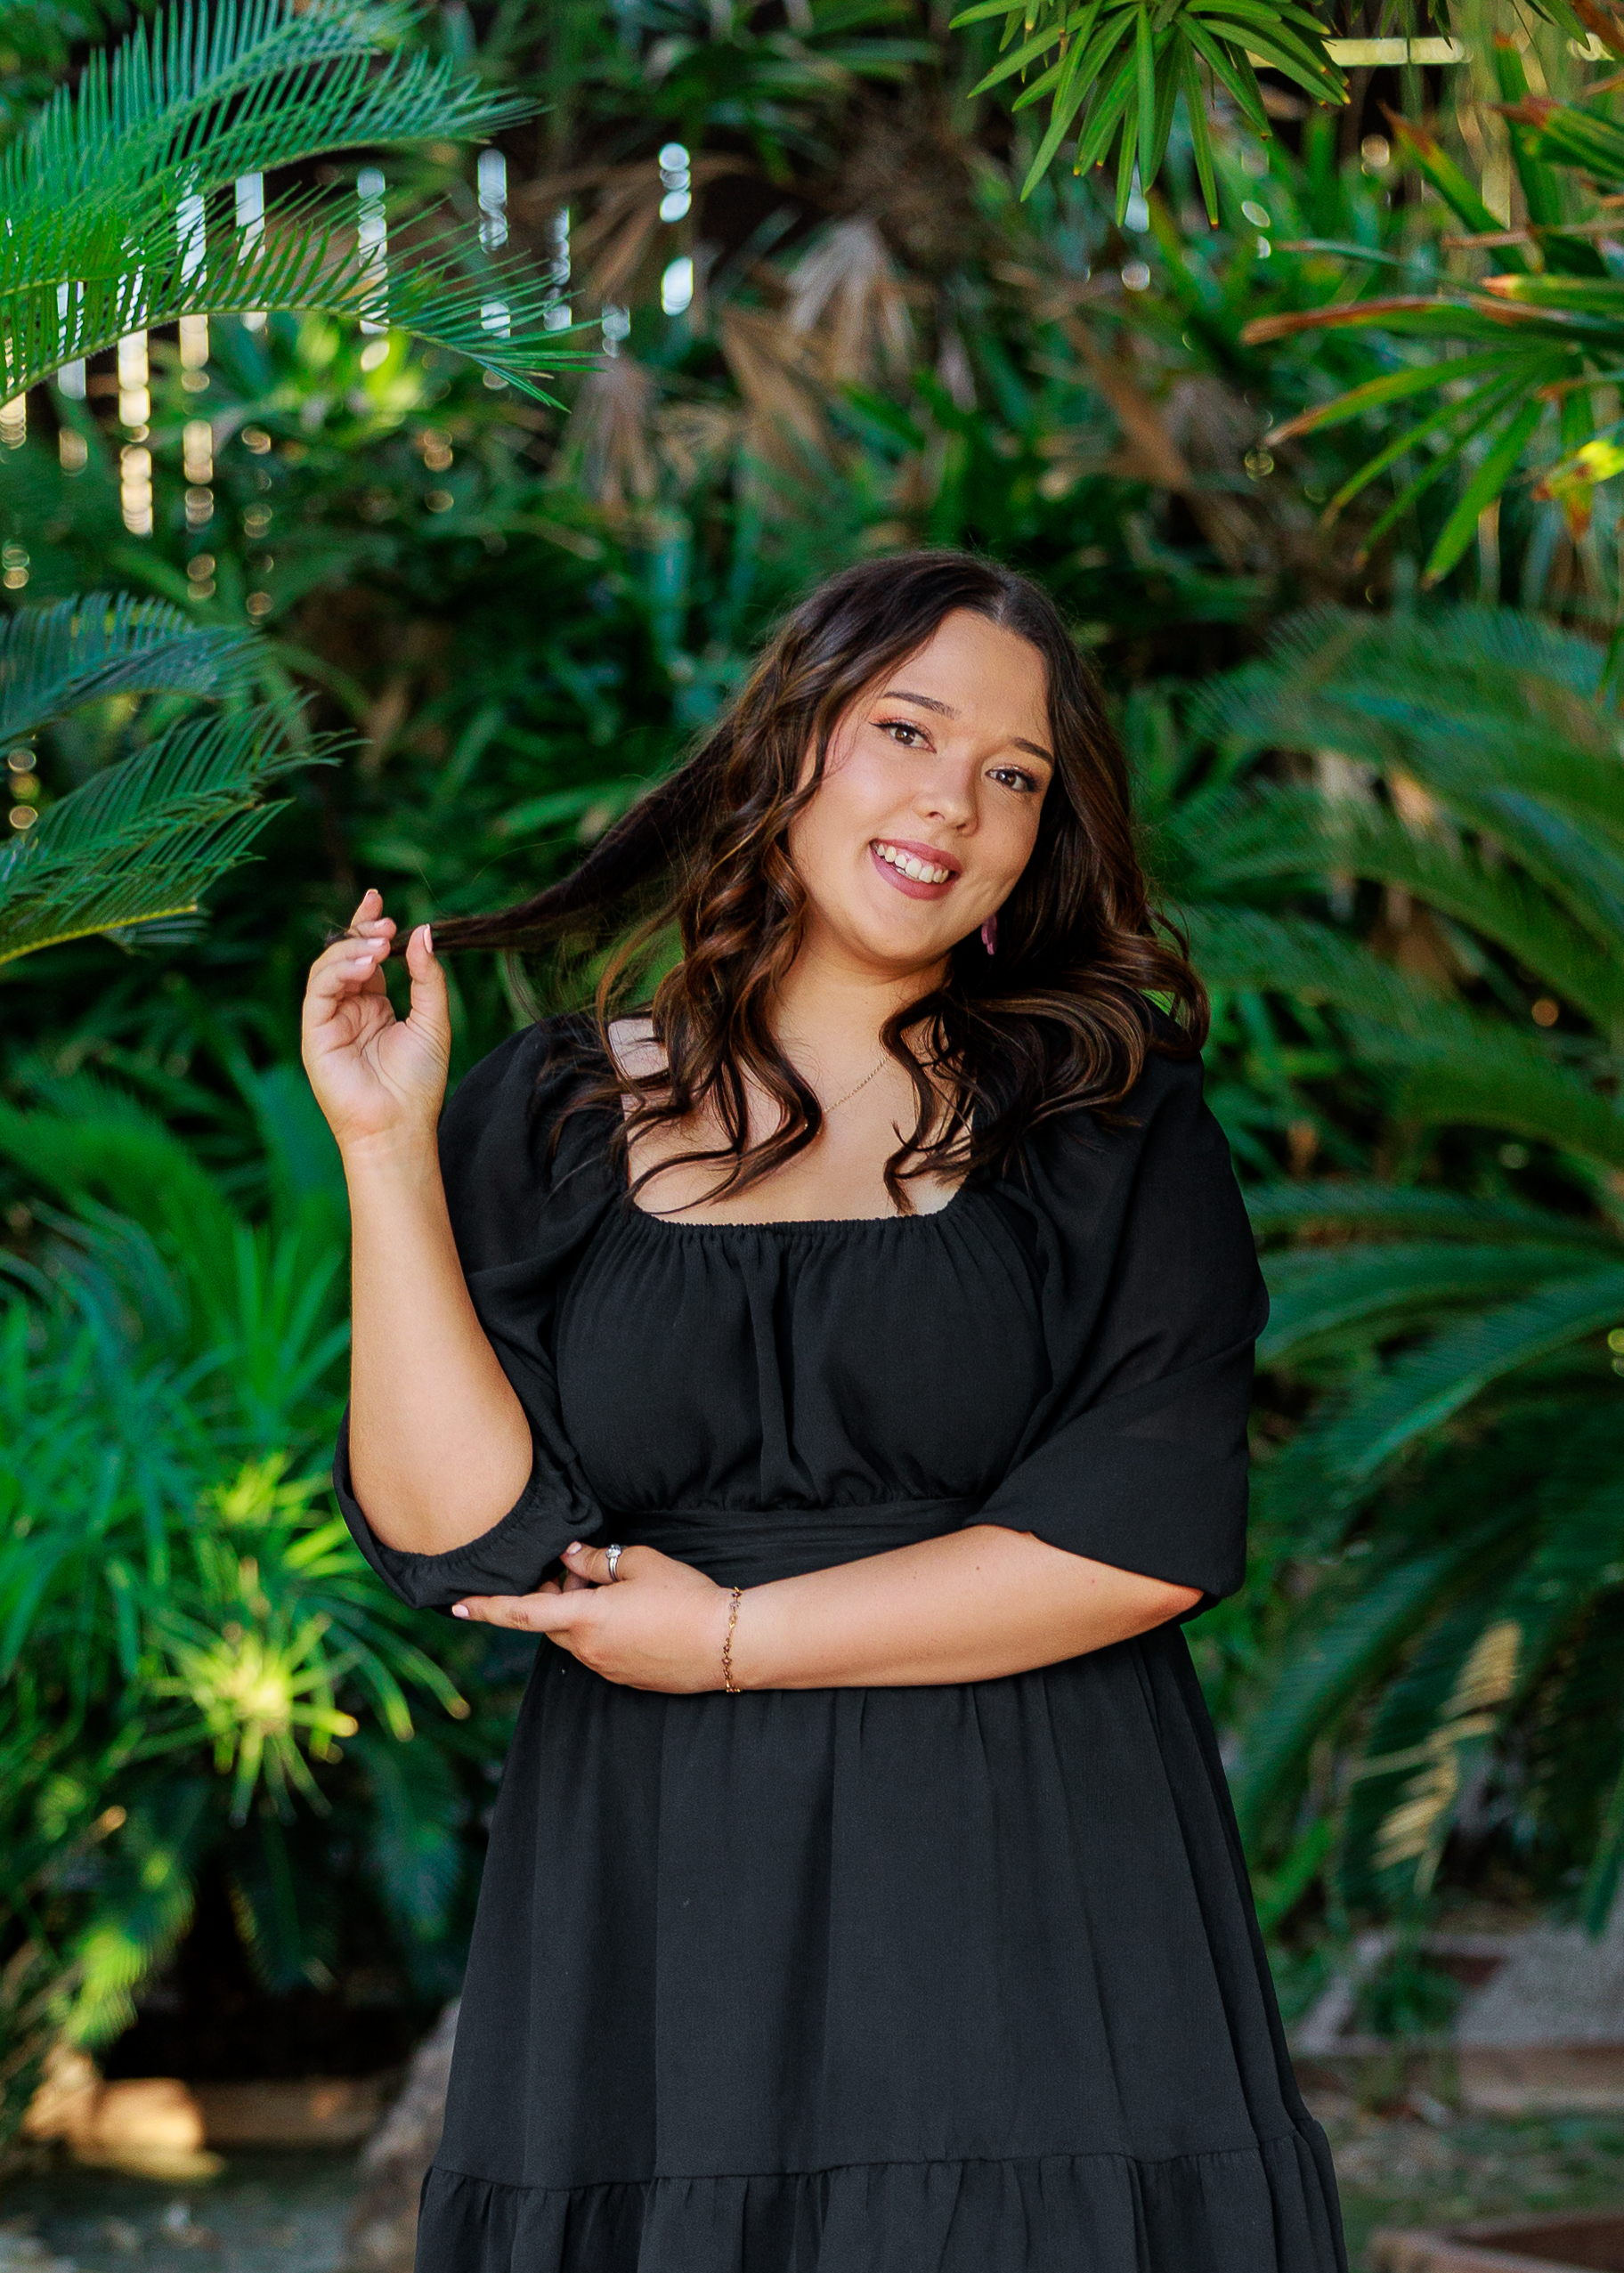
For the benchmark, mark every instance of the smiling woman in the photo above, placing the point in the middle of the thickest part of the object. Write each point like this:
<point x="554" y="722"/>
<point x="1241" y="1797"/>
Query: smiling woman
<point x="845" y="1366"/>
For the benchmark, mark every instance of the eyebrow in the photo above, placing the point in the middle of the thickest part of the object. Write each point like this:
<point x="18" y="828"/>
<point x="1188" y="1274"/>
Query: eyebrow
<point x="946" y="711"/>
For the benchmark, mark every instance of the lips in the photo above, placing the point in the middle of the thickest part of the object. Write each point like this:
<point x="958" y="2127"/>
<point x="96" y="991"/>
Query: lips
<point x="920" y="870"/>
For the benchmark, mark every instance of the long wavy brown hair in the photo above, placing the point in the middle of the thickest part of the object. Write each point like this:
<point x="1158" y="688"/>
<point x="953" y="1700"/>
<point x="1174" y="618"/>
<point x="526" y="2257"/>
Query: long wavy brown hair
<point x="1060" y="1018"/>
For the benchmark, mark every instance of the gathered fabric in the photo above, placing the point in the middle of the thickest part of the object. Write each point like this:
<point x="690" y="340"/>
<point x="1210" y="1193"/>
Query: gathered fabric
<point x="902" y="1980"/>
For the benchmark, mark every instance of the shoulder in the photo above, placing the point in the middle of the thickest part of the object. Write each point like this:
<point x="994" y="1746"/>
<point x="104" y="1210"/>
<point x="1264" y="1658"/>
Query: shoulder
<point x="636" y="1048"/>
<point x="521" y="1087"/>
<point x="1160" y="1153"/>
<point x="1168" y="1096"/>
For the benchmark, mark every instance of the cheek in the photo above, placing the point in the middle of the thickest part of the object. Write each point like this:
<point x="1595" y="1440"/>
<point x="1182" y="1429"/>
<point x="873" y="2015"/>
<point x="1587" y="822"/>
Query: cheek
<point x="837" y="825"/>
<point x="1009" y="842"/>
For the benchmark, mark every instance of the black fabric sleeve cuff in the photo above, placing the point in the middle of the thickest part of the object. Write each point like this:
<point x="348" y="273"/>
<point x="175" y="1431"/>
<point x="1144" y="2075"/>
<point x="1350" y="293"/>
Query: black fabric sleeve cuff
<point x="511" y="1558"/>
<point x="1155" y="1482"/>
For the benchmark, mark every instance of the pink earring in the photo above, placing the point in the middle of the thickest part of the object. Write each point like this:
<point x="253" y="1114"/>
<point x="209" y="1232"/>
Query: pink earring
<point x="989" y="935"/>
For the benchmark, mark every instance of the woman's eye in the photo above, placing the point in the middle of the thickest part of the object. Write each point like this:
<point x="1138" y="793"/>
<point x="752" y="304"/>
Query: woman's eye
<point x="901" y="726"/>
<point x="1015" y="778"/>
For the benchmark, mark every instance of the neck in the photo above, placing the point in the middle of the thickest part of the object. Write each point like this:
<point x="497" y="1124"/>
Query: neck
<point x="834" y="1005"/>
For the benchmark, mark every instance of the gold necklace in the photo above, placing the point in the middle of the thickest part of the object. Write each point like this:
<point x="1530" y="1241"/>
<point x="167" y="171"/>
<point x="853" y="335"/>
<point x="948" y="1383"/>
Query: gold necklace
<point x="873" y="1076"/>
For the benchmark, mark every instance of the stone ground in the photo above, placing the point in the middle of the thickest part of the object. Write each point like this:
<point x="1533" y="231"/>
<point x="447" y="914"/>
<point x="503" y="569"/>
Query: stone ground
<point x="262" y="2213"/>
<point x="268" y="2213"/>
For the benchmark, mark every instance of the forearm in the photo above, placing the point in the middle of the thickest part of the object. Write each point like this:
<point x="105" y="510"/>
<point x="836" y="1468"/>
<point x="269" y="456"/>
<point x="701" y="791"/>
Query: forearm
<point x="439" y="1448"/>
<point x="974" y="1605"/>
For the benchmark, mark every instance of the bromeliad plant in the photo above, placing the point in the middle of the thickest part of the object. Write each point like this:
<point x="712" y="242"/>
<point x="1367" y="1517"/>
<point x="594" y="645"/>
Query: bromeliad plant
<point x="1457" y="1491"/>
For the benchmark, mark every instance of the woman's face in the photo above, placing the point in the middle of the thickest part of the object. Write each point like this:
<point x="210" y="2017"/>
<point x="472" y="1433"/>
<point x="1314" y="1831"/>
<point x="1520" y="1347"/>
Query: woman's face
<point x="927" y="809"/>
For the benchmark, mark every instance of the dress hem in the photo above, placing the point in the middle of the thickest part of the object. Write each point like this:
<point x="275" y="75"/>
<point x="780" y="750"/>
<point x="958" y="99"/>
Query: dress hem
<point x="1266" y="2207"/>
<point x="1253" y="2145"/>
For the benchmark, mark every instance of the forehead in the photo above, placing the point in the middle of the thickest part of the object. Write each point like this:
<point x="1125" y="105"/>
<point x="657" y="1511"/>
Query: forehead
<point x="979" y="674"/>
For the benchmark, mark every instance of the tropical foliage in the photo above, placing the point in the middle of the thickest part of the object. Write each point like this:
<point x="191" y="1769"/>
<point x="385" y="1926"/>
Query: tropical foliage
<point x="1458" y="1481"/>
<point x="115" y="192"/>
<point x="847" y="308"/>
<point x="199" y="1673"/>
<point x="140" y="842"/>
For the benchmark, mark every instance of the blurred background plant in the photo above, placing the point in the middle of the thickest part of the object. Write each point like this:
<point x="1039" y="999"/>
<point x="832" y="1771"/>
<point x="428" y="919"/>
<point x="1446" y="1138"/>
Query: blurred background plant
<point x="835" y="304"/>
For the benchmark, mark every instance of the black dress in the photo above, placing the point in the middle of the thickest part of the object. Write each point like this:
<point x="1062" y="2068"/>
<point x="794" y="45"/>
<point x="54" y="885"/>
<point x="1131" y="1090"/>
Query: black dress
<point x="958" y="1979"/>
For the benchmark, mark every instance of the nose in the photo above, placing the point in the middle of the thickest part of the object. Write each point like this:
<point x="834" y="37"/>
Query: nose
<point x="947" y="792"/>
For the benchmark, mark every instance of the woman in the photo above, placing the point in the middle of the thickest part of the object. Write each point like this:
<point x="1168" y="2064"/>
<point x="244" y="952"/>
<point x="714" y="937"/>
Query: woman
<point x="846" y="1367"/>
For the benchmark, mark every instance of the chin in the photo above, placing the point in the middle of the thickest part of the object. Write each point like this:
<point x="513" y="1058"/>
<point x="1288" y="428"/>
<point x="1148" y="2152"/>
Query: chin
<point x="901" y="947"/>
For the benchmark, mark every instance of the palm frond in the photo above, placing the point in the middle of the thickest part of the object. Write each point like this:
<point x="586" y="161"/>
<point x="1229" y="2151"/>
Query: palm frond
<point x="1296" y="831"/>
<point x="499" y="318"/>
<point x="53" y="659"/>
<point x="116" y="199"/>
<point x="1410" y="1209"/>
<point x="1428" y="1385"/>
<point x="1486" y="694"/>
<point x="1235" y="946"/>
<point x="185" y="105"/>
<point x="1331" y="1662"/>
<point x="1113" y="74"/>
<point x="1317" y="1292"/>
<point x="1498" y="1078"/>
<point x="146" y="838"/>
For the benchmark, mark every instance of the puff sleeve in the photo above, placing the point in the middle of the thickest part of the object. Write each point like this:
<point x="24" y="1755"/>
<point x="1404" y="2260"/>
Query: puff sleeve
<point x="1152" y="1300"/>
<point x="521" y="1211"/>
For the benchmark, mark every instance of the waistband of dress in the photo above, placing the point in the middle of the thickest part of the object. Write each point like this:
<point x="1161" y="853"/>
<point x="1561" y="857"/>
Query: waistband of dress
<point x="745" y="1546"/>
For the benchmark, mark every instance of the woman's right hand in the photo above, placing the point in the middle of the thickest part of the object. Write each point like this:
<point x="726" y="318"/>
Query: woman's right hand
<point x="377" y="1079"/>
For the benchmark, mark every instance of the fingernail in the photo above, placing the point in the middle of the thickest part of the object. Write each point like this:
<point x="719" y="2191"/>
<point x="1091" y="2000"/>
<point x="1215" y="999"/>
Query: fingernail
<point x="459" y="1609"/>
<point x="575" y="1547"/>
<point x="428" y="938"/>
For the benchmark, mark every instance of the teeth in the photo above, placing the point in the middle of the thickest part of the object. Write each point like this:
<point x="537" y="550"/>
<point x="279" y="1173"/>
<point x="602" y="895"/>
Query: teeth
<point x="907" y="864"/>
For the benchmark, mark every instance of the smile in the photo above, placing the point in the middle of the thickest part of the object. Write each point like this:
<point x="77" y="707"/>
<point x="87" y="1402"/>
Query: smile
<point x="912" y="869"/>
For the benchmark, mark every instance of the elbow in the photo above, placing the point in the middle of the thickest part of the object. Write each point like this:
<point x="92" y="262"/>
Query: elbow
<point x="1164" y="1602"/>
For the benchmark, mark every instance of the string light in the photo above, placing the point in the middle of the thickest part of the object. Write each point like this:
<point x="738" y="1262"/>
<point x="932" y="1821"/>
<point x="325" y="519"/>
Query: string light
<point x="24" y="788"/>
<point x="194" y="353"/>
<point x="200" y="576"/>
<point x="71" y="378"/>
<point x="617" y="323"/>
<point x="492" y="201"/>
<point x="677" y="286"/>
<point x="557" y="315"/>
<point x="191" y="228"/>
<point x="14" y="422"/>
<point x="72" y="450"/>
<point x="135" y="396"/>
<point x="677" y="182"/>
<point x="372" y="242"/>
<point x="198" y="464"/>
<point x="250" y="197"/>
<point x="494" y="317"/>
<point x="135" y="489"/>
<point x="13" y="566"/>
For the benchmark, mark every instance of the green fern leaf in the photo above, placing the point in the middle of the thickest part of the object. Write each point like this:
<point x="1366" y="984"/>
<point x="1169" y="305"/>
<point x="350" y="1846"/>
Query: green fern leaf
<point x="53" y="659"/>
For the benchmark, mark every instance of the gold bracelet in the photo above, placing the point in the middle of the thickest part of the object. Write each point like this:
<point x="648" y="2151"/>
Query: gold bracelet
<point x="728" y="1683"/>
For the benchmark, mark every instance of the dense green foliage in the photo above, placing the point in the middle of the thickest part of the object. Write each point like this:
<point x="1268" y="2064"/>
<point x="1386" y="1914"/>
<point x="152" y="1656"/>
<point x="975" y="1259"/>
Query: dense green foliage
<point x="1393" y="838"/>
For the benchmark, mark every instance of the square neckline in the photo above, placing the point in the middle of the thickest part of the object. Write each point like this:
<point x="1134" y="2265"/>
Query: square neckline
<point x="796" y="1224"/>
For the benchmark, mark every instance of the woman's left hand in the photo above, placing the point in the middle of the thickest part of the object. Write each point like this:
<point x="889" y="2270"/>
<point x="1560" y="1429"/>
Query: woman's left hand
<point x="659" y="1624"/>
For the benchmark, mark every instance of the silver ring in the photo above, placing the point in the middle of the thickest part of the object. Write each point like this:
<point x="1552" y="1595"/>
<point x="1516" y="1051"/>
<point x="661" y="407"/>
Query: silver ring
<point x="612" y="1556"/>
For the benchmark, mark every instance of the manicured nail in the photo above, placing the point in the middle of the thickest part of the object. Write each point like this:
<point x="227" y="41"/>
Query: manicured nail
<point x="428" y="938"/>
<point x="459" y="1609"/>
<point x="575" y="1547"/>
